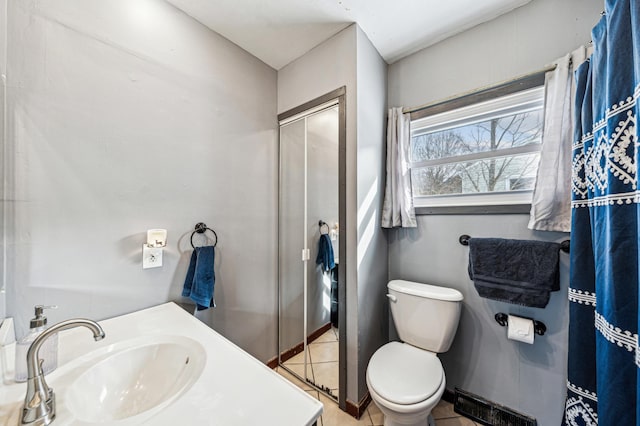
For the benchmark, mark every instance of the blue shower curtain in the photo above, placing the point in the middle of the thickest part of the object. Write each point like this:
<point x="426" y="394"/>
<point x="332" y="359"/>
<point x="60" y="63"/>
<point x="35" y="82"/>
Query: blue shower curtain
<point x="603" y="379"/>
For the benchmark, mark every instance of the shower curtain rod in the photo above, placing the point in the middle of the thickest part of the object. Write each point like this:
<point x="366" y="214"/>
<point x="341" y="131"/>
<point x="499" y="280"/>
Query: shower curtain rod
<point x="533" y="77"/>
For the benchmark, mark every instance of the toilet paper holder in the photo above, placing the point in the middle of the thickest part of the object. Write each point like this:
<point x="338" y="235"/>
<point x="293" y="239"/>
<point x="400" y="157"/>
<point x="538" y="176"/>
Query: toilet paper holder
<point x="538" y="326"/>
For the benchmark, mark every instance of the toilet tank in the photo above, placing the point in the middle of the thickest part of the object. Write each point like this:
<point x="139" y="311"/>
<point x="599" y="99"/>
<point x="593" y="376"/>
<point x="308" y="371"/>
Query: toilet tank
<point x="425" y="315"/>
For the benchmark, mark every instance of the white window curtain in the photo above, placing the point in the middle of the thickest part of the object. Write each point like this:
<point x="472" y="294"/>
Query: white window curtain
<point x="397" y="209"/>
<point x="551" y="202"/>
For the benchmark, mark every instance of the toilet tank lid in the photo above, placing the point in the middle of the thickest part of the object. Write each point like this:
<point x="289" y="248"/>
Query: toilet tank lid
<point x="425" y="290"/>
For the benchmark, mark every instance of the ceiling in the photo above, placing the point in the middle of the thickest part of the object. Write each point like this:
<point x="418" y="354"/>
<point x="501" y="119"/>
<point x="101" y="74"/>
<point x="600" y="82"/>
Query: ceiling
<point x="279" y="31"/>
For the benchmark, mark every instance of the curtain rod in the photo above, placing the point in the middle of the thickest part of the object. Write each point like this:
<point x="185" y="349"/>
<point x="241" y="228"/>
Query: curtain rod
<point x="480" y="90"/>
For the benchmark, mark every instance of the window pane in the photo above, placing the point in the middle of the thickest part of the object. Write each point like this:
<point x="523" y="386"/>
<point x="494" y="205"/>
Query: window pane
<point x="513" y="173"/>
<point x="490" y="135"/>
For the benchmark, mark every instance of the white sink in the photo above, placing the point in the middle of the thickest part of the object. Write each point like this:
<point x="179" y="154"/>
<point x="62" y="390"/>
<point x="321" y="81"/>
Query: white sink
<point x="139" y="375"/>
<point x="135" y="382"/>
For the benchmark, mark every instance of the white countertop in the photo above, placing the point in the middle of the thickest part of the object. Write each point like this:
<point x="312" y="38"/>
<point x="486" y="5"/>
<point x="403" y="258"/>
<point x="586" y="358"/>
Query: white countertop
<point x="233" y="389"/>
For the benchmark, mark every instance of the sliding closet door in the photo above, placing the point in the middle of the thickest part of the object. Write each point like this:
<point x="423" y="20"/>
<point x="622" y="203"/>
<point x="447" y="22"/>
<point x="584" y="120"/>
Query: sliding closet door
<point x="322" y="205"/>
<point x="291" y="241"/>
<point x="309" y="196"/>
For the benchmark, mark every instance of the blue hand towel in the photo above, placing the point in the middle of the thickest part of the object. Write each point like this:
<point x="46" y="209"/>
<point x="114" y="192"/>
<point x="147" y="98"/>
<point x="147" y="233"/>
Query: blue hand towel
<point x="325" y="253"/>
<point x="201" y="278"/>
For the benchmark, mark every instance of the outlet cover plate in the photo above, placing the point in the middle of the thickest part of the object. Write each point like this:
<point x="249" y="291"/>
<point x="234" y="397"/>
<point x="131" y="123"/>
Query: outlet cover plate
<point x="151" y="257"/>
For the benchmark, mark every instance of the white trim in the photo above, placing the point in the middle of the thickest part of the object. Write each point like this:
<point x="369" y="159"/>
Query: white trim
<point x="526" y="100"/>
<point x="497" y="198"/>
<point x="309" y="112"/>
<point x="579" y="412"/>
<point x="610" y="199"/>
<point x="622" y="338"/>
<point x="582" y="392"/>
<point x="606" y="158"/>
<point x="532" y="148"/>
<point x="523" y="101"/>
<point x="582" y="297"/>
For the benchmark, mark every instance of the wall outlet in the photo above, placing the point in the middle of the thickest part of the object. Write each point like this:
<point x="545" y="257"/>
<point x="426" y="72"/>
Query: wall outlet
<point x="151" y="257"/>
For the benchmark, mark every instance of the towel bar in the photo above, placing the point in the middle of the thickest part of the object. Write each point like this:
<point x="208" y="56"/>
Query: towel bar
<point x="565" y="245"/>
<point x="201" y="228"/>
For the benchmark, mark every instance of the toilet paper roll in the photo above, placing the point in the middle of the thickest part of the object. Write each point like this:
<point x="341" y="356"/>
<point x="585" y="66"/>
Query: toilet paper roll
<point x="520" y="329"/>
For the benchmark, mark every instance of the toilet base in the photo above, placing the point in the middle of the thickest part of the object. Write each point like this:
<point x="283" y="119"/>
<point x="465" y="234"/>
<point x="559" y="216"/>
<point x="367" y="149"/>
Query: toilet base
<point x="430" y="421"/>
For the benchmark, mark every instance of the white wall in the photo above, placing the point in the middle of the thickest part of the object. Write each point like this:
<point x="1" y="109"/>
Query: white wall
<point x="327" y="67"/>
<point x="531" y="379"/>
<point x="372" y="239"/>
<point x="125" y="116"/>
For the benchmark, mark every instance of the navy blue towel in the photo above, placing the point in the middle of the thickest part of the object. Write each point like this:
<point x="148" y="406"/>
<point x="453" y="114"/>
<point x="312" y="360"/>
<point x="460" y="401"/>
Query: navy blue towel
<point x="201" y="278"/>
<point x="514" y="271"/>
<point x="325" y="253"/>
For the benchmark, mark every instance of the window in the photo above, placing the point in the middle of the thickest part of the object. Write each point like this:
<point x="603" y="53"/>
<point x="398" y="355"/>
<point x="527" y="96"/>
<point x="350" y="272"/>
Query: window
<point x="482" y="154"/>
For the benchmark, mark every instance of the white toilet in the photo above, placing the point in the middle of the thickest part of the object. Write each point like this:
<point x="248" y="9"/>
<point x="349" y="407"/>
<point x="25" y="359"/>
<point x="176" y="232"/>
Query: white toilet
<point x="406" y="380"/>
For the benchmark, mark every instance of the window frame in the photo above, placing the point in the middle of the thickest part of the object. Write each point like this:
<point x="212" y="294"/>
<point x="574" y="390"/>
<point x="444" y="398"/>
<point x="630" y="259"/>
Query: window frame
<point x="470" y="105"/>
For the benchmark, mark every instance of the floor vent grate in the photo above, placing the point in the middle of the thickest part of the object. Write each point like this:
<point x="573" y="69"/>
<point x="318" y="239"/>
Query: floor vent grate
<point x="488" y="413"/>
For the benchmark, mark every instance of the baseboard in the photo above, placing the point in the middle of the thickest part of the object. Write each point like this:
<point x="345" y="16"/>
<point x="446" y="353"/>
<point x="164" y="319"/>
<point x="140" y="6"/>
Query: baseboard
<point x="272" y="363"/>
<point x="290" y="353"/>
<point x="449" y="396"/>
<point x="357" y="410"/>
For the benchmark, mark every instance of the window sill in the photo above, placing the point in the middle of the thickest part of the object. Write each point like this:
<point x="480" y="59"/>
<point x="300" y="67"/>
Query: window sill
<point x="474" y="210"/>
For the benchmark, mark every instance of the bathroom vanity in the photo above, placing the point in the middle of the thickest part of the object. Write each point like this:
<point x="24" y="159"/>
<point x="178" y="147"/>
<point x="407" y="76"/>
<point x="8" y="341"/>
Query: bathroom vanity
<point x="162" y="366"/>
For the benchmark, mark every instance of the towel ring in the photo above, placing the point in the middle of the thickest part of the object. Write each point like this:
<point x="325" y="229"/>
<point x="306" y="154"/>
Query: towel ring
<point x="201" y="228"/>
<point x="322" y="223"/>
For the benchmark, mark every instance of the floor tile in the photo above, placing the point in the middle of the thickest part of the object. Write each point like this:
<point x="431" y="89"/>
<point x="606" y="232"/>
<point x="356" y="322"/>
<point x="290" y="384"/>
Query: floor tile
<point x="324" y="352"/>
<point x="444" y="410"/>
<point x="377" y="418"/>
<point x="333" y="416"/>
<point x="328" y="336"/>
<point x="455" y="421"/>
<point x="298" y="359"/>
<point x="302" y="385"/>
<point x="326" y="374"/>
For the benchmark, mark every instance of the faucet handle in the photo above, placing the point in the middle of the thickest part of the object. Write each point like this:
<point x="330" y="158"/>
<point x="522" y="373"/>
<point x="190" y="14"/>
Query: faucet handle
<point x="40" y="308"/>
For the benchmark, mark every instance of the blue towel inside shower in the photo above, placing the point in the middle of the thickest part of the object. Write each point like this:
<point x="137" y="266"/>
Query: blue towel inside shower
<point x="201" y="278"/>
<point x="325" y="253"/>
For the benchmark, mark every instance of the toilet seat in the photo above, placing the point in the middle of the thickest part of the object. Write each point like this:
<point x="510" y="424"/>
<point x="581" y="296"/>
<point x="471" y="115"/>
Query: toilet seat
<point x="402" y="374"/>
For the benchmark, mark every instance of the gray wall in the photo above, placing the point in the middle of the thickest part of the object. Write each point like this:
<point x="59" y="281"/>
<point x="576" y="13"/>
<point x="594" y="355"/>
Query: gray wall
<point x="350" y="59"/>
<point x="321" y="70"/>
<point x="372" y="239"/>
<point x="3" y="63"/>
<point x="531" y="379"/>
<point x="125" y="116"/>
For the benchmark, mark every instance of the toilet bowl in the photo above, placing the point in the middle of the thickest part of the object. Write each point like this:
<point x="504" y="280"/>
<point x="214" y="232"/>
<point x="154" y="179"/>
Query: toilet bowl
<point x="406" y="379"/>
<point x="405" y="383"/>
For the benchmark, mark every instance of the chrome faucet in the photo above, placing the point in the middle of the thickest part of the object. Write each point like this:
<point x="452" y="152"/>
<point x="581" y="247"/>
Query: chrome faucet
<point x="40" y="402"/>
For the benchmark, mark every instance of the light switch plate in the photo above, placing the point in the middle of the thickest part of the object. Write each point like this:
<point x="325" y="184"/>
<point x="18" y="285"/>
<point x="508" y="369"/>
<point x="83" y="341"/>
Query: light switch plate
<point x="151" y="257"/>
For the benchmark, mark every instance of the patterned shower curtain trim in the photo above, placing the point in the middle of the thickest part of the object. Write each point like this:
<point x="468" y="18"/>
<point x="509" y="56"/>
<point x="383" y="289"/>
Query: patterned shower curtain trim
<point x="603" y="381"/>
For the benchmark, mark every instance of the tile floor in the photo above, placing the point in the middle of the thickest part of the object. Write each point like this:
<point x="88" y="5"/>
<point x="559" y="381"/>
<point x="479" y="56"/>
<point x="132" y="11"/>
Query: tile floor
<point x="322" y="368"/>
<point x="322" y="361"/>
<point x="333" y="416"/>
